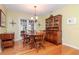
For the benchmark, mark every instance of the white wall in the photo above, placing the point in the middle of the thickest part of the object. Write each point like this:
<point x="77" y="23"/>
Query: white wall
<point x="16" y="28"/>
<point x="70" y="32"/>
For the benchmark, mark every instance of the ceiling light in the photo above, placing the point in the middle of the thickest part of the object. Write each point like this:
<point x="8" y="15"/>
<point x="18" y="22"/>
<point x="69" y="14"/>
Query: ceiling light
<point x="35" y="15"/>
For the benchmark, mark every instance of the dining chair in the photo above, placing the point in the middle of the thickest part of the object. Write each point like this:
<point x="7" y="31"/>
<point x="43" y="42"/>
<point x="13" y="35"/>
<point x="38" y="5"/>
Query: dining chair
<point x="25" y="38"/>
<point x="31" y="42"/>
<point x="39" y="40"/>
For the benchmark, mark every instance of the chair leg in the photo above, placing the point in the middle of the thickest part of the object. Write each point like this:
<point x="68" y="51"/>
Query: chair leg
<point x="24" y="43"/>
<point x="42" y="46"/>
<point x="38" y="46"/>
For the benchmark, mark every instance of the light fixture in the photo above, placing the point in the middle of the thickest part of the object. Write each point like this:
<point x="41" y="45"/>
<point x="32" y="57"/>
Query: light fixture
<point x="35" y="15"/>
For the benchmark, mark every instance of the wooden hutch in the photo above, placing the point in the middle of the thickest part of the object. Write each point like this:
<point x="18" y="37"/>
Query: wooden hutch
<point x="53" y="29"/>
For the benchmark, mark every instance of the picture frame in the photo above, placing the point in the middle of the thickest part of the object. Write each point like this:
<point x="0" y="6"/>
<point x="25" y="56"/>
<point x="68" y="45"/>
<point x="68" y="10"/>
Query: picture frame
<point x="71" y="20"/>
<point x="2" y="19"/>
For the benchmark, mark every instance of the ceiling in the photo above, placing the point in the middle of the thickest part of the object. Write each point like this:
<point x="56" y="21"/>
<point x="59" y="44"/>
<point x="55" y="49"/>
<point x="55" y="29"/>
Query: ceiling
<point x="42" y="9"/>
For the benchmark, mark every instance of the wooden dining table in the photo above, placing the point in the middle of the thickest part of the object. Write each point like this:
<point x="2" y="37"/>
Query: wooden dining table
<point x="33" y="39"/>
<point x="33" y="36"/>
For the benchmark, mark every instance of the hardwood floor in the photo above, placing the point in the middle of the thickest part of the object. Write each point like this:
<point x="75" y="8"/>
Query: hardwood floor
<point x="69" y="50"/>
<point x="50" y="49"/>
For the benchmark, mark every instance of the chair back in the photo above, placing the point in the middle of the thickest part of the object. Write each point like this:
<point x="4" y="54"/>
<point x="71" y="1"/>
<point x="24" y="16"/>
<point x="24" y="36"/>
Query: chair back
<point x="40" y="36"/>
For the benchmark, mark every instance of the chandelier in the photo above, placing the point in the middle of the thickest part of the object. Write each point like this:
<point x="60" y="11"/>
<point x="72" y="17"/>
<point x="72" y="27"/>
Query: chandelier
<point x="35" y="15"/>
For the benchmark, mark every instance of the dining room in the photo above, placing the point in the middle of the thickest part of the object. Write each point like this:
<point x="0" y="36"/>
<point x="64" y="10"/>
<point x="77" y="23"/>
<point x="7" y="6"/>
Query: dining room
<point x="37" y="29"/>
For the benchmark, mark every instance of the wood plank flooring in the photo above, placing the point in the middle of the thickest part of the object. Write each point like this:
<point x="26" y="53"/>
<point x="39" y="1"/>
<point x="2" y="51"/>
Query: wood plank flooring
<point x="50" y="49"/>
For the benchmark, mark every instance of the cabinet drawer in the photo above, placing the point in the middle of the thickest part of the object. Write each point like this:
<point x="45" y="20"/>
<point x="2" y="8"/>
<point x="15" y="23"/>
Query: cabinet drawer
<point x="7" y="43"/>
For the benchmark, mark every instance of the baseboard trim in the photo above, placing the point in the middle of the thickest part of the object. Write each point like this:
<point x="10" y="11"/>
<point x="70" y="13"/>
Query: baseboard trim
<point x="71" y="46"/>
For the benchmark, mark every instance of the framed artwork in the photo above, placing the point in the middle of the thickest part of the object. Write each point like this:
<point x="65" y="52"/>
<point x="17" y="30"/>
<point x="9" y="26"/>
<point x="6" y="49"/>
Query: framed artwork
<point x="2" y="19"/>
<point x="71" y="20"/>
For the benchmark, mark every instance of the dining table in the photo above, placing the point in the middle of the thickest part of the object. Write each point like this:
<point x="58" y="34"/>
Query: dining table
<point x="34" y="37"/>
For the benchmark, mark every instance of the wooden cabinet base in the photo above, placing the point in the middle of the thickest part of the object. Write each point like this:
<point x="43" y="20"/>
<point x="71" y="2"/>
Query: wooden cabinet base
<point x="7" y="40"/>
<point x="54" y="42"/>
